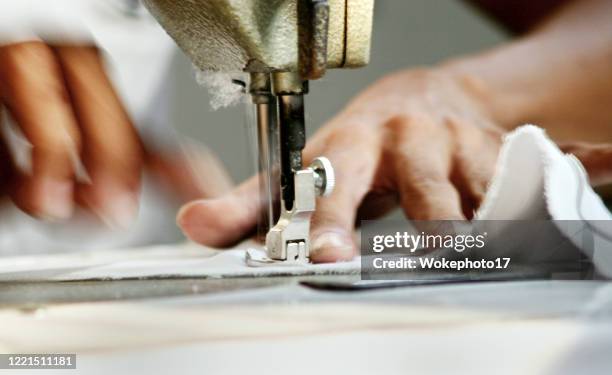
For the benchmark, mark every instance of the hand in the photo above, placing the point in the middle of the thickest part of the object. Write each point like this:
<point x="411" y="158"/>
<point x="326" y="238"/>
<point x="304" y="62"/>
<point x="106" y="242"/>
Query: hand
<point x="66" y="107"/>
<point x="415" y="137"/>
<point x="64" y="104"/>
<point x="423" y="139"/>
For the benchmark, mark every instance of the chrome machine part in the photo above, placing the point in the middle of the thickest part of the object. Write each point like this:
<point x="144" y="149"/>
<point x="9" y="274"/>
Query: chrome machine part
<point x="281" y="139"/>
<point x="325" y="179"/>
<point x="267" y="149"/>
<point x="289" y="240"/>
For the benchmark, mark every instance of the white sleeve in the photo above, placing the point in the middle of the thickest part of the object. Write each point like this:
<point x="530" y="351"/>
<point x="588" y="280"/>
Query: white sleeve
<point x="51" y="21"/>
<point x="137" y="49"/>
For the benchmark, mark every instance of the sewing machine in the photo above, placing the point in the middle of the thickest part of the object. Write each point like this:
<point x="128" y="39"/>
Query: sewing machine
<point x="281" y="44"/>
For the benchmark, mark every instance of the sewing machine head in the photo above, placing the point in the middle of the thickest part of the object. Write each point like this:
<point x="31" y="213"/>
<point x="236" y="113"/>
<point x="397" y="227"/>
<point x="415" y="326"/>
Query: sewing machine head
<point x="281" y="44"/>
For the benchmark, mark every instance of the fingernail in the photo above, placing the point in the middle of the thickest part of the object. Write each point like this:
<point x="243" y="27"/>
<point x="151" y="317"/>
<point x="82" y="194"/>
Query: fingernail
<point x="332" y="245"/>
<point x="56" y="202"/>
<point x="120" y="212"/>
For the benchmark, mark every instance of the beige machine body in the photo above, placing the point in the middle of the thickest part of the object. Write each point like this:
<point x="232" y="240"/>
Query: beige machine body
<point x="282" y="44"/>
<point x="269" y="35"/>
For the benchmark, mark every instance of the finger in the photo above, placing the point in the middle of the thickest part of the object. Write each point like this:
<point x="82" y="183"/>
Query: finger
<point x="376" y="205"/>
<point x="111" y="153"/>
<point x="223" y="221"/>
<point x="422" y="167"/>
<point x="32" y="88"/>
<point x="596" y="158"/>
<point x="474" y="163"/>
<point x="354" y="154"/>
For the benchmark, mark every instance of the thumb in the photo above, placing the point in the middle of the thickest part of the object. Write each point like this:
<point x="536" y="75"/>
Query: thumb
<point x="224" y="221"/>
<point x="596" y="158"/>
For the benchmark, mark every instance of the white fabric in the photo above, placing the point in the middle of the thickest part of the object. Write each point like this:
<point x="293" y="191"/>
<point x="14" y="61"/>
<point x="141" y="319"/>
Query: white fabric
<point x="187" y="260"/>
<point x="534" y="180"/>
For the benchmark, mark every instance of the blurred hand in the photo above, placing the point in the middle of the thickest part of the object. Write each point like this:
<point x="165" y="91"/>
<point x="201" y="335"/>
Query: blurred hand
<point x="64" y="104"/>
<point x="420" y="138"/>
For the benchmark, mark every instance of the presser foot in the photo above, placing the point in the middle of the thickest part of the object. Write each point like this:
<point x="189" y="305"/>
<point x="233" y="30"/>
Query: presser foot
<point x="288" y="240"/>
